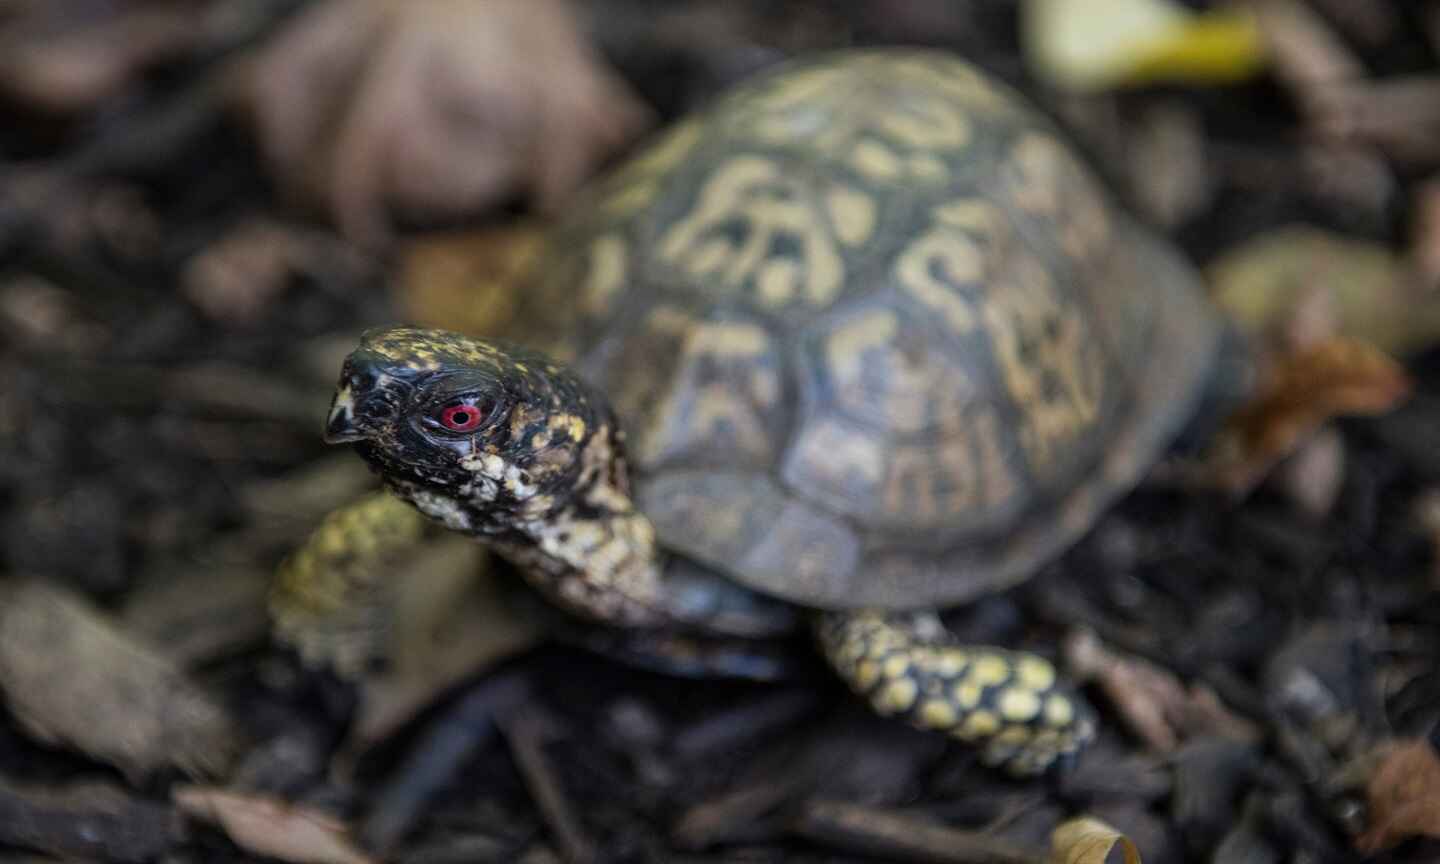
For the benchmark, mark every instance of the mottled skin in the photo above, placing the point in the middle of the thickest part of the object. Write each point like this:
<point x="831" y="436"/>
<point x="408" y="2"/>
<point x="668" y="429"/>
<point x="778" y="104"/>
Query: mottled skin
<point x="863" y="341"/>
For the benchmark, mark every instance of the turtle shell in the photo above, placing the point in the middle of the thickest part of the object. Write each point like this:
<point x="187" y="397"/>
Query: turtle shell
<point x="877" y="336"/>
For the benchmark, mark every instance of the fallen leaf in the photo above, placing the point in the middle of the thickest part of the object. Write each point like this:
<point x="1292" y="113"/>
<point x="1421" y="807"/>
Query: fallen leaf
<point x="1156" y="706"/>
<point x="1089" y="841"/>
<point x="272" y="828"/>
<point x="1259" y="283"/>
<point x="1098" y="44"/>
<point x="71" y="677"/>
<point x="451" y="621"/>
<point x="1403" y="795"/>
<point x="235" y="279"/>
<point x="1305" y="389"/>
<point x="468" y="281"/>
<point x="1400" y="116"/>
<point x="65" y="57"/>
<point x="434" y="109"/>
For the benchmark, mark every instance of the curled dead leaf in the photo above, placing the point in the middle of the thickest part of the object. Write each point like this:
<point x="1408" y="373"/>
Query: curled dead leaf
<point x="273" y="828"/>
<point x="433" y="109"/>
<point x="1403" y="795"/>
<point x="1309" y="387"/>
<point x="1089" y="841"/>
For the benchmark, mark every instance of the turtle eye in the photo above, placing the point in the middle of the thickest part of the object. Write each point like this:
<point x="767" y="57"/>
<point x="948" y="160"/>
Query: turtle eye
<point x="462" y="416"/>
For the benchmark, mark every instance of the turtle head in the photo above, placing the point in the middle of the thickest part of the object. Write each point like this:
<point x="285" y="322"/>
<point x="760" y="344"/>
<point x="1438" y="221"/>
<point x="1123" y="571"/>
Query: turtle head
<point x="477" y="425"/>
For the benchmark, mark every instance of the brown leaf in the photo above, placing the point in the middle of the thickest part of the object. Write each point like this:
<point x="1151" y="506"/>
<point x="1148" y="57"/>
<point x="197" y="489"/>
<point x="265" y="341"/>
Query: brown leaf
<point x="1309" y="387"/>
<point x="433" y="109"/>
<point x="1403" y="795"/>
<point x="468" y="281"/>
<point x="235" y="279"/>
<point x="1156" y="706"/>
<point x="1401" y="116"/>
<point x="65" y="57"/>
<point x="273" y="828"/>
<point x="451" y="621"/>
<point x="1089" y="841"/>
<point x="72" y="677"/>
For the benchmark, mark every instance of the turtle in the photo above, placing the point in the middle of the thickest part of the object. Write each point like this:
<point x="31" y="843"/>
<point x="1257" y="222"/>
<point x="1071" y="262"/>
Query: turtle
<point x="863" y="340"/>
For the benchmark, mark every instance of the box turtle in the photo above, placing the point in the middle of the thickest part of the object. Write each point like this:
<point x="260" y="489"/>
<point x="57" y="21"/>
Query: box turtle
<point x="862" y="341"/>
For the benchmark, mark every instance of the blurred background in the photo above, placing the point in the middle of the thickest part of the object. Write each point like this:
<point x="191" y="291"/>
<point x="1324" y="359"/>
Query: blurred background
<point x="203" y="202"/>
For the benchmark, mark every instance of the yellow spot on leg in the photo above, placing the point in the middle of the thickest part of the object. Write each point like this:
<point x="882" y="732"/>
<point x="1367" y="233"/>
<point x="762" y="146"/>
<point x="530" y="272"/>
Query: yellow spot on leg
<point x="989" y="669"/>
<point x="980" y="724"/>
<point x="938" y="714"/>
<point x="1019" y="705"/>
<point x="1035" y="673"/>
<point x="866" y="674"/>
<point x="1058" y="711"/>
<point x="896" y="667"/>
<point x="897" y="696"/>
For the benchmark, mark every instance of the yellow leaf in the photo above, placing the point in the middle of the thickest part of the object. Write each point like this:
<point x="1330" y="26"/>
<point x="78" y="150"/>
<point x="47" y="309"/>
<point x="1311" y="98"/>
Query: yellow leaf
<point x="1099" y="44"/>
<point x="1087" y="840"/>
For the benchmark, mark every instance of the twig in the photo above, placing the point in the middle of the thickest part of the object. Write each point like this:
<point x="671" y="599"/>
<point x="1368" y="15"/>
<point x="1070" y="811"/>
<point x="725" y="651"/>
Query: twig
<point x="526" y="730"/>
<point x="436" y="758"/>
<point x="854" y="827"/>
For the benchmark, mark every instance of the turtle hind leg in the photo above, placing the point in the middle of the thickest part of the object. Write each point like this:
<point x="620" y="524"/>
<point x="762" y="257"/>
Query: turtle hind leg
<point x="1010" y="704"/>
<point x="329" y="599"/>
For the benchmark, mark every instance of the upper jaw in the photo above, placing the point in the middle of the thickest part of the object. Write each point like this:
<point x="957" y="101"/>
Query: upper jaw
<point x="342" y="425"/>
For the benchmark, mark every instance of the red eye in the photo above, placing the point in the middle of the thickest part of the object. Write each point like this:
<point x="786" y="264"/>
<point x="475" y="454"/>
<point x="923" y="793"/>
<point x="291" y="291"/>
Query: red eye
<point x="461" y="417"/>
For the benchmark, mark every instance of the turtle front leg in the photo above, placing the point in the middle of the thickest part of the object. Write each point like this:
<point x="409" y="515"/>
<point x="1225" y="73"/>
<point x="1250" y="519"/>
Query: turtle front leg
<point x="1009" y="703"/>
<point x="328" y="600"/>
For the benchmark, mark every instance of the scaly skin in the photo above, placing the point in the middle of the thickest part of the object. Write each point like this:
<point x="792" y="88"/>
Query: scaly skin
<point x="542" y="480"/>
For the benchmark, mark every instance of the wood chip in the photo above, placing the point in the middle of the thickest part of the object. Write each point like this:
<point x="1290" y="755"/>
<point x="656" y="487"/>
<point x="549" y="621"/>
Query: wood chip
<point x="273" y="828"/>
<point x="74" y="679"/>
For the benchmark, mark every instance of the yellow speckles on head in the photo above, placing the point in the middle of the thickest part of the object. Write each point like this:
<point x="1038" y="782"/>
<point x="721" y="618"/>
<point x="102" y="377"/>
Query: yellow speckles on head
<point x="866" y="674"/>
<point x="966" y="694"/>
<point x="989" y="669"/>
<point x="569" y="424"/>
<point x="1059" y="711"/>
<point x="1035" y="673"/>
<point x="938" y="714"/>
<point x="978" y="724"/>
<point x="896" y="696"/>
<point x="897" y="667"/>
<point x="1018" y="705"/>
<point x="521" y="367"/>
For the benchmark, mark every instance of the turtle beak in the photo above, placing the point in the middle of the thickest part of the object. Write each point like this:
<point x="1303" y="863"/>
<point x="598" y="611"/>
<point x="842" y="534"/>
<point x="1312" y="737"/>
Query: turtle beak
<point x="343" y="426"/>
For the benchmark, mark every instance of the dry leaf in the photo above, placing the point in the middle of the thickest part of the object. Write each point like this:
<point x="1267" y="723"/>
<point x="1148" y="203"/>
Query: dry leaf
<point x="1401" y="116"/>
<point x="1335" y="378"/>
<point x="433" y="109"/>
<point x="235" y="279"/>
<point x="451" y="622"/>
<point x="1403" y="795"/>
<point x="1155" y="705"/>
<point x="1089" y="841"/>
<point x="71" y="677"/>
<point x="65" y="57"/>
<point x="273" y="828"/>
<point x="468" y="281"/>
